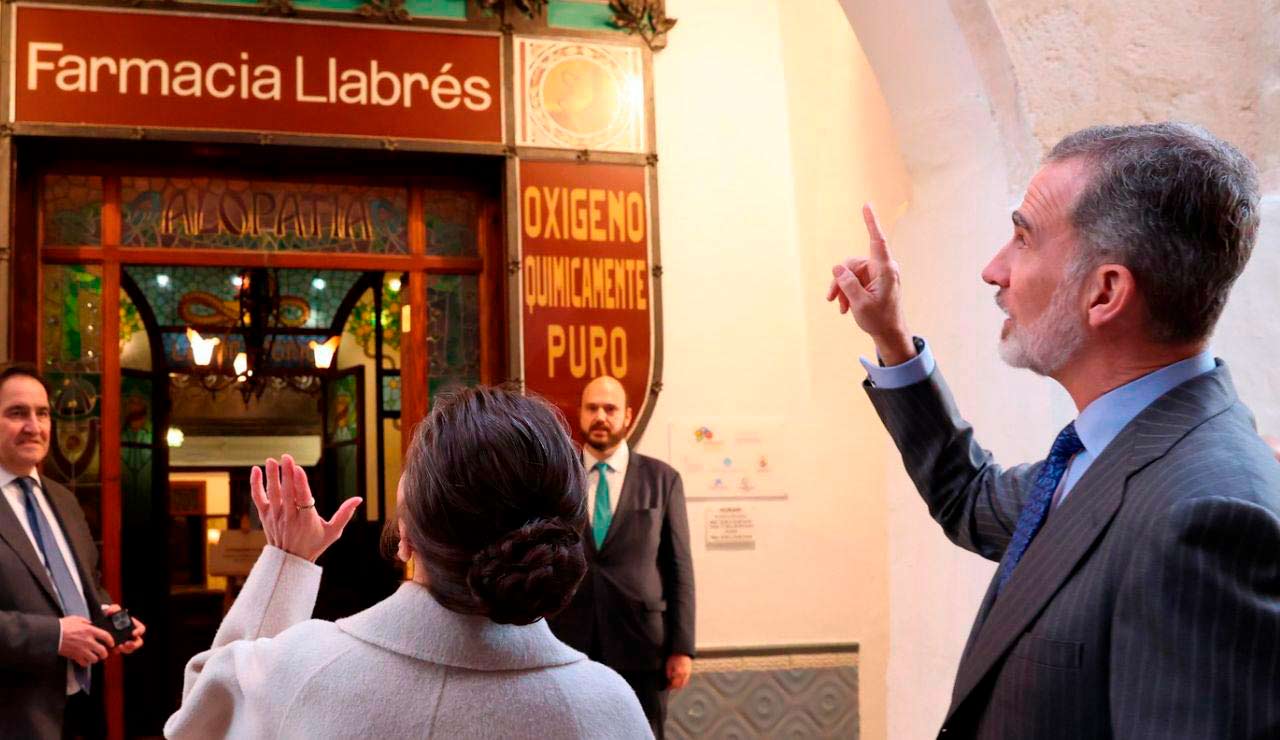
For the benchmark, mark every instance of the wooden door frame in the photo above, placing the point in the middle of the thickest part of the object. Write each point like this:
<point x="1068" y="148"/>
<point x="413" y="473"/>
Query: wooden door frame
<point x="33" y="160"/>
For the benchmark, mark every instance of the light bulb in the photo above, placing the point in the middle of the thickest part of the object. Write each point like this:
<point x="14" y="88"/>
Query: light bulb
<point x="201" y="348"/>
<point x="324" y="351"/>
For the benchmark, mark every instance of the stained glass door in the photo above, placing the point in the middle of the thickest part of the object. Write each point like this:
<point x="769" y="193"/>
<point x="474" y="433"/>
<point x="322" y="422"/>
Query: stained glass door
<point x="153" y="217"/>
<point x="344" y="442"/>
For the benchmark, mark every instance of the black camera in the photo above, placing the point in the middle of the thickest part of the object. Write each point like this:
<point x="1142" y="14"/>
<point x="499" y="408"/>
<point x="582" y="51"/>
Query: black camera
<point x="120" y="625"/>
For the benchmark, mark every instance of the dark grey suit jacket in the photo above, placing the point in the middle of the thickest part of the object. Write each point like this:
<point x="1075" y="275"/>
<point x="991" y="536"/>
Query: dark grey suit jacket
<point x="1149" y="604"/>
<point x="33" y="677"/>
<point x="636" y="602"/>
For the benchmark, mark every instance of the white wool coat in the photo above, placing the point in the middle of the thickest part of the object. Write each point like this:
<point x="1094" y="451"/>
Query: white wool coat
<point x="406" y="667"/>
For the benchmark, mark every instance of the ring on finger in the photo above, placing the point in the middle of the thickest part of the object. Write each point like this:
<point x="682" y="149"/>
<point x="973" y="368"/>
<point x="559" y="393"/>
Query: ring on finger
<point x="309" y="505"/>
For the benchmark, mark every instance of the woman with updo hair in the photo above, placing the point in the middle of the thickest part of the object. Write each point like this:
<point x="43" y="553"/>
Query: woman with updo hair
<point x="491" y="511"/>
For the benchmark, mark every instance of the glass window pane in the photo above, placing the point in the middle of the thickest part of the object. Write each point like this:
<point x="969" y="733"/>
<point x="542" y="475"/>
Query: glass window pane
<point x="220" y="213"/>
<point x="451" y="223"/>
<point x="348" y="483"/>
<point x="362" y="323"/>
<point x="135" y="410"/>
<point x="391" y="394"/>
<point x="71" y="210"/>
<point x="454" y="331"/>
<point x="71" y="355"/>
<point x="343" y="421"/>
<point x="210" y="296"/>
<point x="135" y="345"/>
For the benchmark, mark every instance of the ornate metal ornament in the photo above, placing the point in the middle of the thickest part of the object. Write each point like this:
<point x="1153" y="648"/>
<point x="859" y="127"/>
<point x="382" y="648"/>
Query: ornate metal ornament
<point x="277" y="7"/>
<point x="531" y="8"/>
<point x="645" y="17"/>
<point x="391" y="11"/>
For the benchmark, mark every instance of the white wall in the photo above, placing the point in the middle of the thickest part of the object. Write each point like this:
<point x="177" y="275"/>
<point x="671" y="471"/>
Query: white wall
<point x="771" y="132"/>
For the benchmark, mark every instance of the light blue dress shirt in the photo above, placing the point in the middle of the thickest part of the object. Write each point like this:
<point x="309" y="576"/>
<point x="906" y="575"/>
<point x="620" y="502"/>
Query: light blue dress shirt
<point x="1100" y="421"/>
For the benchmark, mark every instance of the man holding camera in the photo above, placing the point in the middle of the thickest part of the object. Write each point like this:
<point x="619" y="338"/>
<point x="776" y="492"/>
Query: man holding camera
<point x="49" y="585"/>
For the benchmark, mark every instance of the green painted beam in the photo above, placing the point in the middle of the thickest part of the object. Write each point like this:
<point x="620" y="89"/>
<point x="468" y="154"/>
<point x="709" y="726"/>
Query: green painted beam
<point x="447" y="9"/>
<point x="582" y="15"/>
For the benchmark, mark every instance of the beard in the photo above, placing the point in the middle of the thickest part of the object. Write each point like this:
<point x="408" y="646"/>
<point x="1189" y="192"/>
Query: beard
<point x="1052" y="340"/>
<point x="612" y="438"/>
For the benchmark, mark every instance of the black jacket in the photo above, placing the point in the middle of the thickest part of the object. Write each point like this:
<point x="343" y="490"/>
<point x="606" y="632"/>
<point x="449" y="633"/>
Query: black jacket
<point x="636" y="602"/>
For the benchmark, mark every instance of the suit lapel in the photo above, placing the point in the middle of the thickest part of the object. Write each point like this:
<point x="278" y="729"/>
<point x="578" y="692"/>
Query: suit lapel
<point x="11" y="531"/>
<point x="625" y="504"/>
<point x="1052" y="557"/>
<point x="1071" y="531"/>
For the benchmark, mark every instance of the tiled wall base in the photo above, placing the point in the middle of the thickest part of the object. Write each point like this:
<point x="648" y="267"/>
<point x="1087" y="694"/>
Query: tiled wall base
<point x="773" y="696"/>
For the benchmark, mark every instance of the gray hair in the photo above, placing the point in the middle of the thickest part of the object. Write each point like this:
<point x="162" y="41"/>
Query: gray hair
<point x="1175" y="205"/>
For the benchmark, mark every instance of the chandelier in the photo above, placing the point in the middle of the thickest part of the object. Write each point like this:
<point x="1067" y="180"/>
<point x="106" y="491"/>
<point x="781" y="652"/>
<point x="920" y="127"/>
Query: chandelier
<point x="258" y="324"/>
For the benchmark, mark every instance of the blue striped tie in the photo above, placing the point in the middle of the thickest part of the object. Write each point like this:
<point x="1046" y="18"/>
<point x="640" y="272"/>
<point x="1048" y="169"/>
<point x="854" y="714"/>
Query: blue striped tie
<point x="72" y="599"/>
<point x="1036" y="509"/>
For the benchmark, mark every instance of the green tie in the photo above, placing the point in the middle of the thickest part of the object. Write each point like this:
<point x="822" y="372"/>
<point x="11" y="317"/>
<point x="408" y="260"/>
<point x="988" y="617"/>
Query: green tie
<point x="602" y="515"/>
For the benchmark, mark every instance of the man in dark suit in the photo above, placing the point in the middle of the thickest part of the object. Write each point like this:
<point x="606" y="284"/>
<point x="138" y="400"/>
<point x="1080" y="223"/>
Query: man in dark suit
<point x="1138" y="593"/>
<point x="634" y="609"/>
<point x="49" y="586"/>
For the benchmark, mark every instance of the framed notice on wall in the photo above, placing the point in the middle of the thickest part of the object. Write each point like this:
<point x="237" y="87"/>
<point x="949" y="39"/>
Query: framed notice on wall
<point x="724" y="458"/>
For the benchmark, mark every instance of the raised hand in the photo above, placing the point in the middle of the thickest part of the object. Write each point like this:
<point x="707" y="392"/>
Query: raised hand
<point x="870" y="287"/>
<point x="288" y="510"/>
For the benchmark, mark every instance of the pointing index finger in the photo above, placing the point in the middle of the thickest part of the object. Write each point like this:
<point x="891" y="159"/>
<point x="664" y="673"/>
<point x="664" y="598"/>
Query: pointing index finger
<point x="879" y="249"/>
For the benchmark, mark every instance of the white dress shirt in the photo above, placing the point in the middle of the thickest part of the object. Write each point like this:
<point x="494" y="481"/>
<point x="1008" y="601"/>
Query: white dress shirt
<point x="615" y="475"/>
<point x="13" y="494"/>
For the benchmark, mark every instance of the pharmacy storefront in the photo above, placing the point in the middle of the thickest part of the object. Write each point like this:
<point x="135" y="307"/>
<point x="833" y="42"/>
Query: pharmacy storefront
<point x="236" y="228"/>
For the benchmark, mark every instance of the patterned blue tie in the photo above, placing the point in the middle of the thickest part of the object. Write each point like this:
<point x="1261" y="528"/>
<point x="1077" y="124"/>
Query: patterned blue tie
<point x="1036" y="510"/>
<point x="72" y="600"/>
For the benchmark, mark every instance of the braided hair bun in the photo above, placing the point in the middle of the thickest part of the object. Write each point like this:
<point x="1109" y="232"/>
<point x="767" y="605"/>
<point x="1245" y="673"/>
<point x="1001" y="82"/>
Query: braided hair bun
<point x="530" y="573"/>
<point x="492" y="503"/>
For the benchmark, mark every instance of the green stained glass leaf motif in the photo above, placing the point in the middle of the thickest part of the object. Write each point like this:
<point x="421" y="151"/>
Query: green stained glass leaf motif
<point x="71" y="210"/>
<point x="72" y="316"/>
<point x="453" y="303"/>
<point x="130" y="319"/>
<point x="362" y="324"/>
<point x="219" y="213"/>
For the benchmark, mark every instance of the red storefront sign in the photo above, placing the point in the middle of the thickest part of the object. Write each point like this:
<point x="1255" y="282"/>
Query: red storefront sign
<point x="586" y="297"/>
<point x="166" y="70"/>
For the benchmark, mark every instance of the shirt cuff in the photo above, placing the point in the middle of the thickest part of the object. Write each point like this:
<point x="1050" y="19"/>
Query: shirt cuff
<point x="912" y="371"/>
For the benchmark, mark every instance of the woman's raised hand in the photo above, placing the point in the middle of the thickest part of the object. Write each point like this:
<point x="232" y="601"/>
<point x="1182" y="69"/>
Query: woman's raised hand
<point x="288" y="511"/>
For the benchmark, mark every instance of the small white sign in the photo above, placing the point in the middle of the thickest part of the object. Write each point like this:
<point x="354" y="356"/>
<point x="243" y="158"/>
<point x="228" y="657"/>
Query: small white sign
<point x="730" y="526"/>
